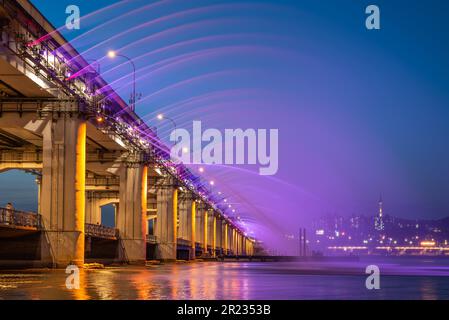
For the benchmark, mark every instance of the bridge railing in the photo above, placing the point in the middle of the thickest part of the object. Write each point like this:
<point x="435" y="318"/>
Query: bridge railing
<point x="100" y="231"/>
<point x="11" y="217"/>
<point x="183" y="242"/>
<point x="151" y="239"/>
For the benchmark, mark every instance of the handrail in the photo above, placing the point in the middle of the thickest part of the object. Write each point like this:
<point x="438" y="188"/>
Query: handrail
<point x="183" y="242"/>
<point x="11" y="217"/>
<point x="151" y="238"/>
<point x="98" y="230"/>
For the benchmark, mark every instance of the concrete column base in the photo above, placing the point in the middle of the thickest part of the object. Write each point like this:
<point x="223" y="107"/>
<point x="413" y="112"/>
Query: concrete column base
<point x="58" y="248"/>
<point x="192" y="254"/>
<point x="166" y="252"/>
<point x="133" y="251"/>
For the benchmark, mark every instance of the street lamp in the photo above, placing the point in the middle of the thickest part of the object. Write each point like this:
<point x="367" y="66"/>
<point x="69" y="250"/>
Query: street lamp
<point x="162" y="117"/>
<point x="112" y="55"/>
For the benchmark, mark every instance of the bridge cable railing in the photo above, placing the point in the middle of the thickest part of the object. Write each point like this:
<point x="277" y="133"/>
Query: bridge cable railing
<point x="11" y="217"/>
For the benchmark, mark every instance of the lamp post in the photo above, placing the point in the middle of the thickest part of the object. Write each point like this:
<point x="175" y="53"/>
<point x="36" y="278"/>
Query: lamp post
<point x="162" y="117"/>
<point x="113" y="54"/>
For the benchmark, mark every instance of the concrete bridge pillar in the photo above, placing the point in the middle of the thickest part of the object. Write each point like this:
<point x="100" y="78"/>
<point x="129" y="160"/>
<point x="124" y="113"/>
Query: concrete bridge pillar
<point x="199" y="224"/>
<point x="231" y="240"/>
<point x="62" y="202"/>
<point x="185" y="217"/>
<point x="193" y="236"/>
<point x="205" y="231"/>
<point x="131" y="216"/>
<point x="211" y="231"/>
<point x="237" y="247"/>
<point x="225" y="238"/>
<point x="244" y="246"/>
<point x="93" y="209"/>
<point x="214" y="234"/>
<point x="239" y="243"/>
<point x="187" y="220"/>
<point x="219" y="237"/>
<point x="167" y="215"/>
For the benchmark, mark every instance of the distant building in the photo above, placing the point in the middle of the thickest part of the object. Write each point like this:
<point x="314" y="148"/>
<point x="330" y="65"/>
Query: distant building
<point x="379" y="224"/>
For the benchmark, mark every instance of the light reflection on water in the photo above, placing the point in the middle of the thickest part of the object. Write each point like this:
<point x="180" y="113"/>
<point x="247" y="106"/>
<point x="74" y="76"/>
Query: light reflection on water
<point x="400" y="279"/>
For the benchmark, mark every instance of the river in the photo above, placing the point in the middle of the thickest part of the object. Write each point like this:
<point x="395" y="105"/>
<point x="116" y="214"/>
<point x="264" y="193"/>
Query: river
<point x="400" y="278"/>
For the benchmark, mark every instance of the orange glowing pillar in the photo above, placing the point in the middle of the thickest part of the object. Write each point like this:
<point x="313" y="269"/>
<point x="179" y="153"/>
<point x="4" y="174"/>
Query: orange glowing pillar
<point x="205" y="232"/>
<point x="144" y="202"/>
<point x="193" y="227"/>
<point x="175" y="216"/>
<point x="80" y="191"/>
<point x="214" y="238"/>
<point x="225" y="239"/>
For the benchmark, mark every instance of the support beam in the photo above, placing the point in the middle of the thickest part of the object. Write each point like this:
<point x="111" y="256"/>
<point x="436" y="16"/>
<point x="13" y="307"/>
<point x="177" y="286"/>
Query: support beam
<point x="205" y="232"/>
<point x="199" y="224"/>
<point x="225" y="238"/>
<point x="93" y="209"/>
<point x="184" y="214"/>
<point x="232" y="240"/>
<point x="219" y="236"/>
<point x="214" y="235"/>
<point x="167" y="215"/>
<point x="193" y="229"/>
<point x="131" y="217"/>
<point x="63" y="191"/>
<point x="211" y="231"/>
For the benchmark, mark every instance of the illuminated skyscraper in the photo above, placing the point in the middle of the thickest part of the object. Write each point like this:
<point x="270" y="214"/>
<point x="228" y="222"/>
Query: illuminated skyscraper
<point x="378" y="221"/>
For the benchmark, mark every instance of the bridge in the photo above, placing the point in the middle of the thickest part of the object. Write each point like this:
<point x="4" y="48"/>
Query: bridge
<point x="88" y="149"/>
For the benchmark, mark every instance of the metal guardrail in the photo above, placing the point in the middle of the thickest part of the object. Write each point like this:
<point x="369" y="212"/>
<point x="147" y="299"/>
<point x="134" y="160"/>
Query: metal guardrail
<point x="100" y="231"/>
<point x="183" y="242"/>
<point x="15" y="218"/>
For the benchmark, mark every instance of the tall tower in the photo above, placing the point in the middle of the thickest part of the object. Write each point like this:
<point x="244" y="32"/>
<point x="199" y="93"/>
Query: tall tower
<point x="379" y="222"/>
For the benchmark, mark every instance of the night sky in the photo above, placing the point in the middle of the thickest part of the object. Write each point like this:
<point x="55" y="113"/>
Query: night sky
<point x="359" y="112"/>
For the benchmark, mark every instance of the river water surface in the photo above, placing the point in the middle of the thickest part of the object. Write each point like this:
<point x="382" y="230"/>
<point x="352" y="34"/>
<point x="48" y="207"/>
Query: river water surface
<point x="401" y="278"/>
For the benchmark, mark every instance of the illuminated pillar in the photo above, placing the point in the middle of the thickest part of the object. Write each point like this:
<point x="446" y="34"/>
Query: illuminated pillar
<point x="167" y="215"/>
<point x="214" y="238"/>
<point x="93" y="209"/>
<point x="187" y="212"/>
<point x="237" y="242"/>
<point x="39" y="191"/>
<point x="219" y="237"/>
<point x="184" y="207"/>
<point x="233" y="242"/>
<point x="63" y="191"/>
<point x="132" y="213"/>
<point x="211" y="231"/>
<point x="205" y="234"/>
<point x="225" y="240"/>
<point x="193" y="229"/>
<point x="199" y="225"/>
<point x="230" y="237"/>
